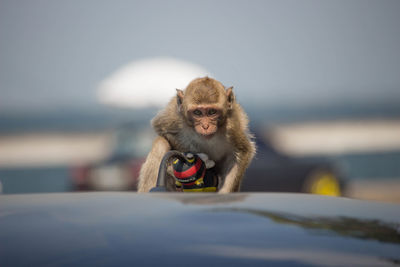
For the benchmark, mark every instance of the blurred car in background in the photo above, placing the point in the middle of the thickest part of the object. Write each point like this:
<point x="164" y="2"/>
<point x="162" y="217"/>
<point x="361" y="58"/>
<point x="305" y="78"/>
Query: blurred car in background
<point x="120" y="171"/>
<point x="270" y="171"/>
<point x="273" y="171"/>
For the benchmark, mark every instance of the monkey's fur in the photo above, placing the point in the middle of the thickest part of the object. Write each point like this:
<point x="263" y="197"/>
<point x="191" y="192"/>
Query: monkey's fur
<point x="221" y="132"/>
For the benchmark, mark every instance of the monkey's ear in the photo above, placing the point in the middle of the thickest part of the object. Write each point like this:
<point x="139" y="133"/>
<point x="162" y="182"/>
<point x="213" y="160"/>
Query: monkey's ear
<point x="179" y="96"/>
<point x="230" y="96"/>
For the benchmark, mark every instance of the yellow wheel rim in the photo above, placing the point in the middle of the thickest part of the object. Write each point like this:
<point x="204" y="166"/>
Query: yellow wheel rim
<point x="325" y="184"/>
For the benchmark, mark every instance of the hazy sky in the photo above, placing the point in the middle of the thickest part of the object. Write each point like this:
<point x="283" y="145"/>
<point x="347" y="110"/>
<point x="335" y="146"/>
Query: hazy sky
<point x="54" y="53"/>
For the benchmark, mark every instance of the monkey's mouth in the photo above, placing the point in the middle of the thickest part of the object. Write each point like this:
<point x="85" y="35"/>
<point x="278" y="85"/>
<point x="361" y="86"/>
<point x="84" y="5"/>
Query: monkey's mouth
<point x="207" y="135"/>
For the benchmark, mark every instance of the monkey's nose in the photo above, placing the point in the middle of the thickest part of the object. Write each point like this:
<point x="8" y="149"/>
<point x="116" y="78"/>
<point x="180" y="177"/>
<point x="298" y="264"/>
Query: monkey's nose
<point x="205" y="126"/>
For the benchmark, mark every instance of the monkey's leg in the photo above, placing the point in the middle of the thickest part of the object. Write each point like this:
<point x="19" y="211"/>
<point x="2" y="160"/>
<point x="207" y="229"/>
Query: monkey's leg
<point x="149" y="171"/>
<point x="233" y="178"/>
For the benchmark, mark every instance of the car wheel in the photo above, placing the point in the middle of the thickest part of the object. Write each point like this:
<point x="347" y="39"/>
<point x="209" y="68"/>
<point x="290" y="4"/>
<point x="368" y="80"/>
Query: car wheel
<point x="322" y="182"/>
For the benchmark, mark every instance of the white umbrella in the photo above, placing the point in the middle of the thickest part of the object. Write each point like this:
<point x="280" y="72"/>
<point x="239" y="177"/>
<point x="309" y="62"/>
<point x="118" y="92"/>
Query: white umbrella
<point x="148" y="83"/>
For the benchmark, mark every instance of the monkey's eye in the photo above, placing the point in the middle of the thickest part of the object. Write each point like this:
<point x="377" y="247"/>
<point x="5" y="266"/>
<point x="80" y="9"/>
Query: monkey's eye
<point x="197" y="112"/>
<point x="212" y="111"/>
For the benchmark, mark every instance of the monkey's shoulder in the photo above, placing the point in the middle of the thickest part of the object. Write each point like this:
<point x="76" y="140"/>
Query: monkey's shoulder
<point x="238" y="132"/>
<point x="167" y="122"/>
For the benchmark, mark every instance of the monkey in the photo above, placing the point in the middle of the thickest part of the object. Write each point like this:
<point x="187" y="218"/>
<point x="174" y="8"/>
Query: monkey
<point x="203" y="118"/>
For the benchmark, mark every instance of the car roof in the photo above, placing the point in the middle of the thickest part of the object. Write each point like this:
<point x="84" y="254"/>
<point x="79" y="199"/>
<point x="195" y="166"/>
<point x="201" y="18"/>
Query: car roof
<point x="172" y="229"/>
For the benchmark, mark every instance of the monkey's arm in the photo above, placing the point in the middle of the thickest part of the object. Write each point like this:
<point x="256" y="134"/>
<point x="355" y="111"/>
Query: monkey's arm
<point x="149" y="171"/>
<point x="234" y="176"/>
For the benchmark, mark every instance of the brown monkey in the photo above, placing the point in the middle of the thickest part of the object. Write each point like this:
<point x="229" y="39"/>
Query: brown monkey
<point x="205" y="118"/>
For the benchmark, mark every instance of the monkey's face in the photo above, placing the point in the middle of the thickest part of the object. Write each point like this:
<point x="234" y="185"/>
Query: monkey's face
<point x="205" y="120"/>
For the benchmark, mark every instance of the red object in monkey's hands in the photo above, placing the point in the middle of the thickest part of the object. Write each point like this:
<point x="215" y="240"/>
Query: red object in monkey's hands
<point x="193" y="176"/>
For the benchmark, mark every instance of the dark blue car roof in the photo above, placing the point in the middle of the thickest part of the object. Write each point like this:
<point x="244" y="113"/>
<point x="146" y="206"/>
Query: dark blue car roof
<point x="129" y="229"/>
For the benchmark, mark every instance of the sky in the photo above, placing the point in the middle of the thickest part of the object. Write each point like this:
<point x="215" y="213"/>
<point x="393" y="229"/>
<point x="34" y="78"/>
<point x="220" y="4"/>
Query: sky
<point x="54" y="54"/>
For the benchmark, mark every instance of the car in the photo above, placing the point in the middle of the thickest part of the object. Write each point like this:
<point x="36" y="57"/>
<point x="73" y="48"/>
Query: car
<point x="196" y="229"/>
<point x="119" y="171"/>
<point x="270" y="170"/>
<point x="113" y="174"/>
<point x="273" y="171"/>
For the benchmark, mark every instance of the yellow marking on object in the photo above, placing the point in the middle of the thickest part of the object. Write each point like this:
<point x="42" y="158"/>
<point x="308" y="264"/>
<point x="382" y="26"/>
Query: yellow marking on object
<point x="199" y="181"/>
<point x="194" y="190"/>
<point x="210" y="189"/>
<point x="205" y="189"/>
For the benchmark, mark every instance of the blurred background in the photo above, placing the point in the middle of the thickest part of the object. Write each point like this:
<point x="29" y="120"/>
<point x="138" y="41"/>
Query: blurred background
<point x="320" y="81"/>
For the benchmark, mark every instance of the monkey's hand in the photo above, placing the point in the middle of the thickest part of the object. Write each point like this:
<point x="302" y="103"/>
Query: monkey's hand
<point x="204" y="157"/>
